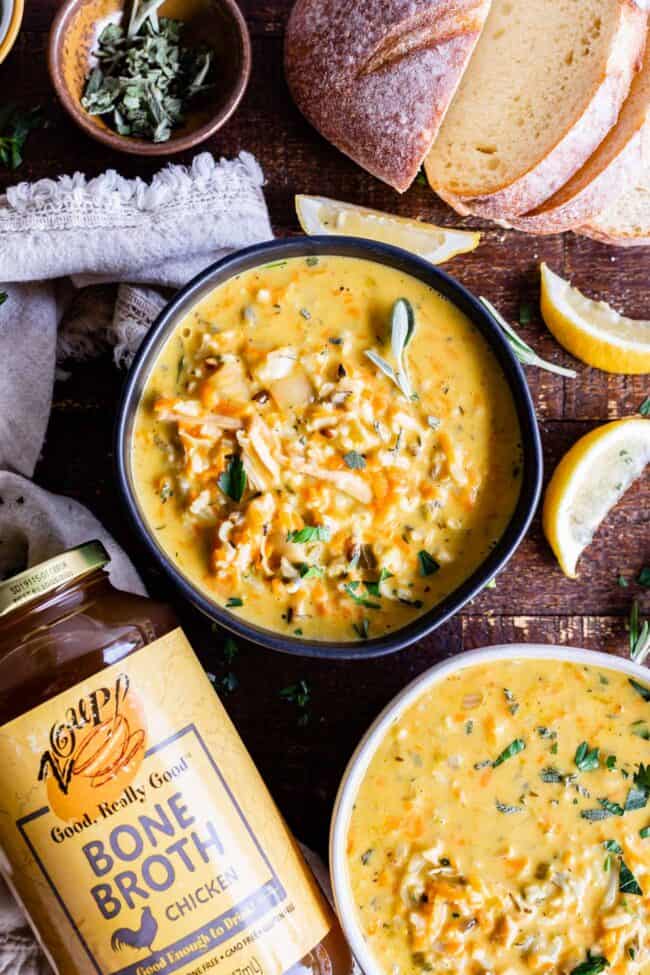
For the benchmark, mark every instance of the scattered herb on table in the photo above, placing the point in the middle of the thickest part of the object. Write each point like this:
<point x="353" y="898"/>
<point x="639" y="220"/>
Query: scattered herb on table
<point x="310" y="533"/>
<point x="643" y="577"/>
<point x="639" y="635"/>
<point x="229" y="682"/>
<point x="230" y="650"/>
<point x="3" y="297"/>
<point x="513" y="749"/>
<point x="587" y="759"/>
<point x="622" y="582"/>
<point x="145" y="76"/>
<point x="526" y="355"/>
<point x="232" y="481"/>
<point x="15" y="126"/>
<point x="525" y="313"/>
<point x="300" y="695"/>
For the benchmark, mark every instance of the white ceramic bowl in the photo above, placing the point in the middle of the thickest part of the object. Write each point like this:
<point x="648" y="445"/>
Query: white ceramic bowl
<point x="358" y="764"/>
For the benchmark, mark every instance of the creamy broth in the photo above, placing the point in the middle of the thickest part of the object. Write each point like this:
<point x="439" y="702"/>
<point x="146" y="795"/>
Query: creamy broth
<point x="503" y="826"/>
<point x="298" y="484"/>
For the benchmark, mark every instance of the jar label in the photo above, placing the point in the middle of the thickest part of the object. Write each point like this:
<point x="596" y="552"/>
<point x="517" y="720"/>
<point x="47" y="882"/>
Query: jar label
<point x="139" y="835"/>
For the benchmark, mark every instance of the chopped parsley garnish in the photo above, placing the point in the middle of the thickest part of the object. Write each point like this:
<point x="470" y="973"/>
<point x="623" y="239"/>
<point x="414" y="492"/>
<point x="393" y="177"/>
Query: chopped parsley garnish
<point x="362" y="628"/>
<point x="311" y="571"/>
<point x="428" y="565"/>
<point x="373" y="586"/>
<point x="645" y="833"/>
<point x="507" y="810"/>
<point x="610" y="762"/>
<point x="627" y="882"/>
<point x="234" y="601"/>
<point x="594" y="965"/>
<point x="351" y="589"/>
<point x="612" y="846"/>
<point x="355" y="460"/>
<point x="513" y="749"/>
<point x="232" y="481"/>
<point x="587" y="759"/>
<point x="643" y="691"/>
<point x="310" y="533"/>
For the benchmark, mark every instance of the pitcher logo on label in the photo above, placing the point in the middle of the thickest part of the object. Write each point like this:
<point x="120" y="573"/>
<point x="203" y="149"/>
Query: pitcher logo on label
<point x="95" y="751"/>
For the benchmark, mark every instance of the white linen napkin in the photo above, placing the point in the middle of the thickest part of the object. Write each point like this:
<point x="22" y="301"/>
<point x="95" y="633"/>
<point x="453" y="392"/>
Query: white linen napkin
<point x="61" y="243"/>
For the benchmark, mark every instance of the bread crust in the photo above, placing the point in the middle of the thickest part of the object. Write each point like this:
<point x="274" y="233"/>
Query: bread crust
<point x="376" y="77"/>
<point x="574" y="146"/>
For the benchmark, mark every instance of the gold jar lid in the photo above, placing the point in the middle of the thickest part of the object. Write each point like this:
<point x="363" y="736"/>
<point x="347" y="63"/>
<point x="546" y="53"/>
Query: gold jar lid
<point x="46" y="576"/>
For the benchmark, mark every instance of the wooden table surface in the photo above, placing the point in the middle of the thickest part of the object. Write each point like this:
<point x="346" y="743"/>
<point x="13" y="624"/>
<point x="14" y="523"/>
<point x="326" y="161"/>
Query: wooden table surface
<point x="302" y="763"/>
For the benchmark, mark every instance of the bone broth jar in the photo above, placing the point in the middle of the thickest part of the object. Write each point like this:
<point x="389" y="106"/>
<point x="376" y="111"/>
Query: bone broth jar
<point x="134" y="827"/>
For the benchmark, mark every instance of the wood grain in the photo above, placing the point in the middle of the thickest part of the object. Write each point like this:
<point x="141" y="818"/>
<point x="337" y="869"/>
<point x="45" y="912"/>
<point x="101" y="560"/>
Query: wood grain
<point x="531" y="601"/>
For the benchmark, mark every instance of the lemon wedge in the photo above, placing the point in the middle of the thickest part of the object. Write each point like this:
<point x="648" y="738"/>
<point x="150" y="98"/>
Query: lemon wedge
<point x="319" y="215"/>
<point x="593" y="331"/>
<point x="588" y="482"/>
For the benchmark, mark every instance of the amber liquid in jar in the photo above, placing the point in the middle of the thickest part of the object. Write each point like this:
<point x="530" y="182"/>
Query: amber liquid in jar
<point x="62" y="736"/>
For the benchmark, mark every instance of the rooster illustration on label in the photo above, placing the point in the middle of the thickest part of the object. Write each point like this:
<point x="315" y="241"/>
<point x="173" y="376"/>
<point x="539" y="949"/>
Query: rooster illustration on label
<point x="141" y="937"/>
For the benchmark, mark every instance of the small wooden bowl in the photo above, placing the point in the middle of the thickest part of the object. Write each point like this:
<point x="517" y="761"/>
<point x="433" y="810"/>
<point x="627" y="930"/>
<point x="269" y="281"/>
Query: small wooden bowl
<point x="217" y="24"/>
<point x="11" y="16"/>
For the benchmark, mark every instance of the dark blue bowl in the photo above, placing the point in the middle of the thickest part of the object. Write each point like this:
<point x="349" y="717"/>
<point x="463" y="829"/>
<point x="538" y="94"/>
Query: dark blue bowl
<point x="401" y="260"/>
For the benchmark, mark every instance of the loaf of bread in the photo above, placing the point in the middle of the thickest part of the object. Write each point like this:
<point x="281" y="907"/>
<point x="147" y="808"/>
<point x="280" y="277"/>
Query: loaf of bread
<point x="626" y="222"/>
<point x="616" y="164"/>
<point x="376" y="77"/>
<point x="543" y="89"/>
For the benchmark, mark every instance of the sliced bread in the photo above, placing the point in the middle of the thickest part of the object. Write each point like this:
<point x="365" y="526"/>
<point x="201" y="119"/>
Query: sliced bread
<point x="618" y="162"/>
<point x="376" y="77"/>
<point x="626" y="221"/>
<point x="543" y="89"/>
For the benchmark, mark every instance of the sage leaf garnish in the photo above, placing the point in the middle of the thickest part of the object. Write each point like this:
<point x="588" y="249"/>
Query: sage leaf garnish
<point x="644" y="409"/>
<point x="402" y="323"/>
<point x="513" y="749"/>
<point x="526" y="355"/>
<point x="374" y="586"/>
<point x="311" y="571"/>
<point x="428" y="565"/>
<point x="233" y="480"/>
<point x="362" y="628"/>
<point x="145" y="77"/>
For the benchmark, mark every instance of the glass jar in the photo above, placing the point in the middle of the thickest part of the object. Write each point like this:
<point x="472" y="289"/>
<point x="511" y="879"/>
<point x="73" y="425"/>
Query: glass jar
<point x="134" y="827"/>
